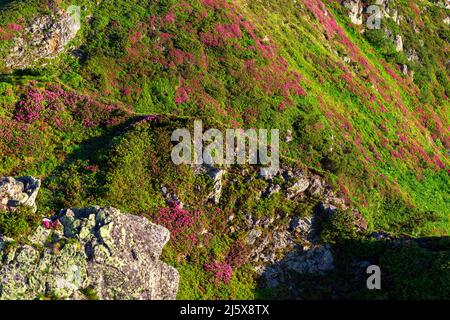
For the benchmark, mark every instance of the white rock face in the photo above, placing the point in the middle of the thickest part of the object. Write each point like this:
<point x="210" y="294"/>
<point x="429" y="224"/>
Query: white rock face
<point x="44" y="38"/>
<point x="355" y="8"/>
<point x="398" y="43"/>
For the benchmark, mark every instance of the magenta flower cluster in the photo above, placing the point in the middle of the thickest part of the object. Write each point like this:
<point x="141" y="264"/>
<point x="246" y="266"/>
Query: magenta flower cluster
<point x="54" y="105"/>
<point x="176" y="219"/>
<point x="221" y="271"/>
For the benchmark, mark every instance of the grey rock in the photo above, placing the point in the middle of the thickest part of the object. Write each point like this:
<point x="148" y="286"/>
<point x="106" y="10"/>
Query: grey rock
<point x="18" y="192"/>
<point x="316" y="260"/>
<point x="268" y="173"/>
<point x="316" y="186"/>
<point x="398" y="43"/>
<point x="216" y="175"/>
<point x="301" y="183"/>
<point x="114" y="254"/>
<point x="46" y="37"/>
<point x="253" y="235"/>
<point x="355" y="13"/>
<point x="271" y="190"/>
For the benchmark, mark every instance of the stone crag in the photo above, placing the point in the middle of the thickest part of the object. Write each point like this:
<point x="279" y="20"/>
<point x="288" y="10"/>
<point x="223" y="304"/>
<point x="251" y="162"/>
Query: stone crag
<point x="93" y="253"/>
<point x="44" y="38"/>
<point x="18" y="192"/>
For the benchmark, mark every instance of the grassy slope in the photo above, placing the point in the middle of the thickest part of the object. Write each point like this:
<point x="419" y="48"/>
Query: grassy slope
<point x="377" y="136"/>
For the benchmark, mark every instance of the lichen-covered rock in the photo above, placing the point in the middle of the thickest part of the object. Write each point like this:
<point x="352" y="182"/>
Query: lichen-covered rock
<point x="115" y="255"/>
<point x="18" y="192"/>
<point x="44" y="38"/>
<point x="301" y="183"/>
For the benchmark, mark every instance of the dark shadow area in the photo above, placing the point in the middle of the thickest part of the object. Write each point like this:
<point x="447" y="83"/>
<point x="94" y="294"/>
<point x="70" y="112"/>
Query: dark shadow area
<point x="3" y="3"/>
<point x="411" y="269"/>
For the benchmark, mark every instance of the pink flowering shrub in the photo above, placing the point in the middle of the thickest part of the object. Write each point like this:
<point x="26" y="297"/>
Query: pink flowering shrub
<point x="50" y="224"/>
<point x="251" y="59"/>
<point x="237" y="255"/>
<point x="15" y="27"/>
<point x="221" y="271"/>
<point x="60" y="108"/>
<point x="177" y="220"/>
<point x="170" y="17"/>
<point x="181" y="95"/>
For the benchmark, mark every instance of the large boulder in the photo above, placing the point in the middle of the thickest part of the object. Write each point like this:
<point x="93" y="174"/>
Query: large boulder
<point x="44" y="38"/>
<point x="18" y="192"/>
<point x="95" y="252"/>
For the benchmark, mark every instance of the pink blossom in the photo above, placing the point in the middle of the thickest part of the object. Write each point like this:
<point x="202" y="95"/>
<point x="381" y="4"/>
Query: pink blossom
<point x="49" y="224"/>
<point x="221" y="271"/>
<point x="15" y="27"/>
<point x="181" y="96"/>
<point x="170" y="17"/>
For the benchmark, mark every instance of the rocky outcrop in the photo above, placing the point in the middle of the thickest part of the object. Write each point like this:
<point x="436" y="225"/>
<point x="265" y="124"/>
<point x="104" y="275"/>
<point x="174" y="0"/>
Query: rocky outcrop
<point x="317" y="260"/>
<point x="216" y="175"/>
<point x="18" y="192"/>
<point x="355" y="8"/>
<point x="44" y="38"/>
<point x="411" y="55"/>
<point x="95" y="252"/>
<point x="398" y="43"/>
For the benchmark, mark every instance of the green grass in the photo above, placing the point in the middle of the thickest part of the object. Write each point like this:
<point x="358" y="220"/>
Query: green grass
<point x="352" y="124"/>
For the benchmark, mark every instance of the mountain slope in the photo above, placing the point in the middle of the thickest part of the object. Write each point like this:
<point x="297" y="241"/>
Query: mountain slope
<point x="95" y="121"/>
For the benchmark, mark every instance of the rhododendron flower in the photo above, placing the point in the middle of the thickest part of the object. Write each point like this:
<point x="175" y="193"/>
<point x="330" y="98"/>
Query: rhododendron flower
<point x="170" y="17"/>
<point x="14" y="27"/>
<point x="181" y="96"/>
<point x="49" y="224"/>
<point x="221" y="271"/>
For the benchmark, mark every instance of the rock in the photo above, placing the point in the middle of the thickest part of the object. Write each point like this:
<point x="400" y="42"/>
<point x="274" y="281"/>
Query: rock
<point x="301" y="183"/>
<point x="395" y="16"/>
<point x="271" y="190"/>
<point x="115" y="255"/>
<point x="316" y="260"/>
<point x="316" y="186"/>
<point x="172" y="200"/>
<point x="268" y="173"/>
<point x="326" y="209"/>
<point x="412" y="55"/>
<point x="253" y="235"/>
<point x="18" y="192"/>
<point x="216" y="175"/>
<point x="303" y="228"/>
<point x="44" y="38"/>
<point x="360" y="222"/>
<point x="398" y="43"/>
<point x="355" y="13"/>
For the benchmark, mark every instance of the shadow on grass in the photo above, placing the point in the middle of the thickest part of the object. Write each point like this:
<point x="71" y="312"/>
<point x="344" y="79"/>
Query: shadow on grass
<point x="81" y="178"/>
<point x="411" y="269"/>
